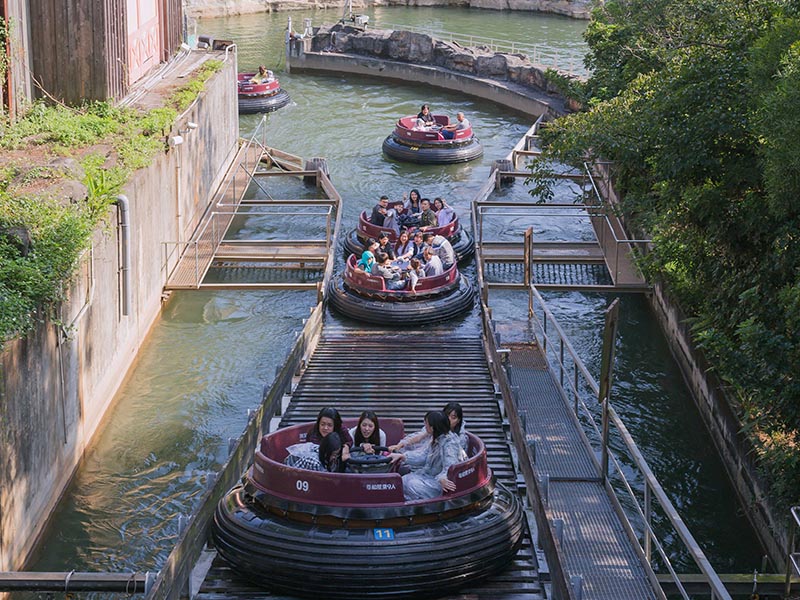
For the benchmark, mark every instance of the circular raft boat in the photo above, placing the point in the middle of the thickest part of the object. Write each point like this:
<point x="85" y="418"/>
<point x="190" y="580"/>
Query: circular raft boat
<point x="318" y="535"/>
<point x="463" y="244"/>
<point x="364" y="297"/>
<point x="428" y="146"/>
<point x="266" y="96"/>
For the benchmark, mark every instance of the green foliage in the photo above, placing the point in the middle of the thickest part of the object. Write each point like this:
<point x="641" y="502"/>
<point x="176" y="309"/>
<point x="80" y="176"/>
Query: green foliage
<point x="59" y="231"/>
<point x="567" y="86"/>
<point x="696" y="102"/>
<point x="184" y="97"/>
<point x="5" y="40"/>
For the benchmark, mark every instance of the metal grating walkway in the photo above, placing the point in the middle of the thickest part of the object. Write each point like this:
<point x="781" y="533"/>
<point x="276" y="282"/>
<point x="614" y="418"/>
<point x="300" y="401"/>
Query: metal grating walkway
<point x="595" y="545"/>
<point x="549" y="274"/>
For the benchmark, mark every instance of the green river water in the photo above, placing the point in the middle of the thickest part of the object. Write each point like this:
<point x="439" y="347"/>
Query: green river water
<point x="211" y="354"/>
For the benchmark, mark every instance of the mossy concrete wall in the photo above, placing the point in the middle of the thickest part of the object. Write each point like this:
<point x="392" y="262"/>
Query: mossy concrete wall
<point x="55" y="384"/>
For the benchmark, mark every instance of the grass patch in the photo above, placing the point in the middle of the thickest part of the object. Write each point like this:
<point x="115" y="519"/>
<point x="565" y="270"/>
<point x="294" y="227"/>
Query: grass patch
<point x="42" y="235"/>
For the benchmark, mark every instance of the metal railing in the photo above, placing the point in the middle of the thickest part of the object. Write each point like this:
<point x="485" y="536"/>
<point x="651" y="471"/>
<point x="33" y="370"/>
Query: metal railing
<point x="610" y="234"/>
<point x="202" y="241"/>
<point x="561" y="587"/>
<point x="173" y="579"/>
<point x="540" y="55"/>
<point x="793" y="559"/>
<point x="578" y="386"/>
<point x="614" y="247"/>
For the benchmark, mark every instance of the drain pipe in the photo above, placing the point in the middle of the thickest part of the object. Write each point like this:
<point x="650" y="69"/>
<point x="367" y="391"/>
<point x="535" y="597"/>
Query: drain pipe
<point x="125" y="240"/>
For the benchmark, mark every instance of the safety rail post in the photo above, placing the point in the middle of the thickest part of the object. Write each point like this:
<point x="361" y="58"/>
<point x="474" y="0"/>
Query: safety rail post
<point x="197" y="263"/>
<point x="793" y="559"/>
<point x="527" y="251"/>
<point x="606" y="373"/>
<point x="647" y="523"/>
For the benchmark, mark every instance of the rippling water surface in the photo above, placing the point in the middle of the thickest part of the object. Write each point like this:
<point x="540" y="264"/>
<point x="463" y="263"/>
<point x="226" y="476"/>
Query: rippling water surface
<point x="210" y="355"/>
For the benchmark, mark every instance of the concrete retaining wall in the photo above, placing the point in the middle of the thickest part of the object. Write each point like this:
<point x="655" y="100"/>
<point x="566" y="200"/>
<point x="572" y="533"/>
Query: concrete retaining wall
<point x="56" y="388"/>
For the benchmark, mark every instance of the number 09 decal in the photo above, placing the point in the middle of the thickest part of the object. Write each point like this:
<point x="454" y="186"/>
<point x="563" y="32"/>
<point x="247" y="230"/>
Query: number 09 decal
<point x="302" y="486"/>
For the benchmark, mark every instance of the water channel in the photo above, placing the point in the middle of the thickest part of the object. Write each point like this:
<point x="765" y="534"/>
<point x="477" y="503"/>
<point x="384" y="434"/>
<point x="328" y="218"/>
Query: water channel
<point x="210" y="354"/>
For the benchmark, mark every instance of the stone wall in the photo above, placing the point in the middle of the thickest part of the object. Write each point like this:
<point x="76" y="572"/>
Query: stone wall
<point x="56" y="384"/>
<point x="420" y="48"/>
<point x="579" y="9"/>
<point x="507" y="79"/>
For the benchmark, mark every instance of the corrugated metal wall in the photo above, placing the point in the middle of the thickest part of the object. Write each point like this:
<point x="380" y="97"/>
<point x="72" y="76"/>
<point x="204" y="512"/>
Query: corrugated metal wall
<point x="171" y="27"/>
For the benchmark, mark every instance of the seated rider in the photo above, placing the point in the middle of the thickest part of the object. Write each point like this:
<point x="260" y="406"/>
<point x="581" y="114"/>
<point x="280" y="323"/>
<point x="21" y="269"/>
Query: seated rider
<point x="449" y="131"/>
<point x="424" y="117"/>
<point x="328" y="455"/>
<point x="442" y="248"/>
<point x="368" y="257"/>
<point x="433" y="264"/>
<point x="415" y="273"/>
<point x="391" y="274"/>
<point x="428" y="218"/>
<point x="263" y="75"/>
<point x="444" y="214"/>
<point x="368" y="433"/>
<point x="379" y="211"/>
<point x="430" y="478"/>
<point x="385" y="246"/>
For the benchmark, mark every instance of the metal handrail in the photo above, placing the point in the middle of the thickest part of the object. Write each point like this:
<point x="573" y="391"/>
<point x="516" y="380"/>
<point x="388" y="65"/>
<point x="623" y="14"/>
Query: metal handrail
<point x="651" y="482"/>
<point x="793" y="560"/>
<point x="538" y="54"/>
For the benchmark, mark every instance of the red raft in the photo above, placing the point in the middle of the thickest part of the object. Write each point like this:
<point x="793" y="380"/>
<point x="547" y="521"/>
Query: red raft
<point x="364" y="297"/>
<point x="266" y="96"/>
<point x="317" y="535"/>
<point x="463" y="244"/>
<point x="428" y="145"/>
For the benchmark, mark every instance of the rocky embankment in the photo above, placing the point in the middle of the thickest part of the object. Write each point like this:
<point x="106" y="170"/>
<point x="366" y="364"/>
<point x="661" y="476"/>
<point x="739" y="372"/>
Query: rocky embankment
<point x="422" y="49"/>
<point x="578" y="9"/>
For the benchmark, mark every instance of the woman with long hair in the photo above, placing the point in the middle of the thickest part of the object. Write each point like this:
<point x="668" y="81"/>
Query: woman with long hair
<point x="413" y="202"/>
<point x="455" y="414"/>
<point x="404" y="247"/>
<point x="368" y="432"/>
<point x="444" y="450"/>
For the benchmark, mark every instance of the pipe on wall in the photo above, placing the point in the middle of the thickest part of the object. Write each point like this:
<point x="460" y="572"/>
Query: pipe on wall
<point x="125" y="241"/>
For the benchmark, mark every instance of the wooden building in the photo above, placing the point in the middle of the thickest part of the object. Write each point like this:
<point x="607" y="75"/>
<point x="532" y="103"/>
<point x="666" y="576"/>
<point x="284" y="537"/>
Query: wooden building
<point x="75" y="50"/>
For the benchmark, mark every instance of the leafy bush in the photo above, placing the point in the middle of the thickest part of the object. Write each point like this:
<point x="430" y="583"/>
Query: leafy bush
<point x="692" y="100"/>
<point x="59" y="231"/>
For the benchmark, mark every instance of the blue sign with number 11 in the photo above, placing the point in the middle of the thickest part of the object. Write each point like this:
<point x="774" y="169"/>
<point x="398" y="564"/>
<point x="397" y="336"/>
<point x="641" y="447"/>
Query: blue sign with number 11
<point x="383" y="535"/>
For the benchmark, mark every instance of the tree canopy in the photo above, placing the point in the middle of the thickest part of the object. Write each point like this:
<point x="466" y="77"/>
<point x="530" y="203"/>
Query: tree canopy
<point x="698" y="105"/>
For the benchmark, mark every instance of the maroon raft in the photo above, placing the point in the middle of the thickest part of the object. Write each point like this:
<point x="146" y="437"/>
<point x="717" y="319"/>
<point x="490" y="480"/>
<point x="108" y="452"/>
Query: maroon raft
<point x="266" y="96"/>
<point x="428" y="146"/>
<point x="316" y="534"/>
<point x="364" y="297"/>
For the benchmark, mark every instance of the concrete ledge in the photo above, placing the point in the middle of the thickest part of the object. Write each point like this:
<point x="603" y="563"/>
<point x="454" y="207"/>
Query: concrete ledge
<point x="505" y="93"/>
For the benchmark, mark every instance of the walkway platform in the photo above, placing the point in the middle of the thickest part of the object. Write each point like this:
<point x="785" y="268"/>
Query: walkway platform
<point x="595" y="545"/>
<point x="216" y="258"/>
